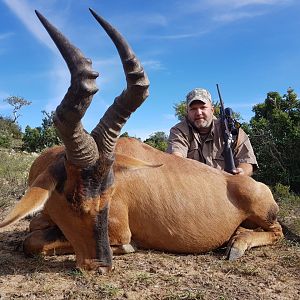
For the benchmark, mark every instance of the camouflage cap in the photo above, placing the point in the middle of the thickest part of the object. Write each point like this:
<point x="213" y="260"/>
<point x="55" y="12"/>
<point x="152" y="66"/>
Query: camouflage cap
<point x="198" y="94"/>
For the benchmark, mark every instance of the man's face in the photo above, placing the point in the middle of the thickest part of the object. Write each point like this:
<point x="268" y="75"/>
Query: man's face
<point x="200" y="114"/>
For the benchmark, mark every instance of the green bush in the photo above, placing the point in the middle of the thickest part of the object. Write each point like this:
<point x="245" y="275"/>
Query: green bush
<point x="9" y="131"/>
<point x="275" y="136"/>
<point x="5" y="141"/>
<point x="158" y="140"/>
<point x="39" y="138"/>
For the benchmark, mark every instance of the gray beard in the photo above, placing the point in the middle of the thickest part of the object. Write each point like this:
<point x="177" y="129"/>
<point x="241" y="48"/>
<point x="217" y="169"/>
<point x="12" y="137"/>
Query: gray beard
<point x="201" y="124"/>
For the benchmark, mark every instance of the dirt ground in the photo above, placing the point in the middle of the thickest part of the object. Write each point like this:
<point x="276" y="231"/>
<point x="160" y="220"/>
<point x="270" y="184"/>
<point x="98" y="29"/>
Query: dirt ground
<point x="271" y="272"/>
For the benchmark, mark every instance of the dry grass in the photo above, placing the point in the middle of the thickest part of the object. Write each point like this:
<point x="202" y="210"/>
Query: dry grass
<point x="263" y="273"/>
<point x="14" y="168"/>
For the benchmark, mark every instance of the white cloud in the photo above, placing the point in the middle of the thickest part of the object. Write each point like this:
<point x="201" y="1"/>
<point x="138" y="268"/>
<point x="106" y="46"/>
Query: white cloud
<point x="153" y="64"/>
<point x="25" y="12"/>
<point x="177" y="36"/>
<point x="153" y="19"/>
<point x="242" y="3"/>
<point x="5" y="106"/>
<point x="111" y="75"/>
<point x="3" y="95"/>
<point x="211" y="14"/>
<point x="241" y="105"/>
<point x="6" y="35"/>
<point x="230" y="10"/>
<point x="234" y="16"/>
<point x="233" y="10"/>
<point x="110" y="71"/>
<point x="59" y="79"/>
<point x="143" y="20"/>
<point x="169" y="117"/>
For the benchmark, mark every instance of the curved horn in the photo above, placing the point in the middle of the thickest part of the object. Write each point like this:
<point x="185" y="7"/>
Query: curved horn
<point x="108" y="129"/>
<point x="81" y="148"/>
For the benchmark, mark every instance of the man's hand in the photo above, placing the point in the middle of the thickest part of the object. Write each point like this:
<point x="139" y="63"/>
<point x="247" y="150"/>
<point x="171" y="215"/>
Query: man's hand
<point x="243" y="169"/>
<point x="238" y="171"/>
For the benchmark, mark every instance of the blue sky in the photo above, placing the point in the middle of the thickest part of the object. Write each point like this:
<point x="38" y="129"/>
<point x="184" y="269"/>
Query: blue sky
<point x="249" y="47"/>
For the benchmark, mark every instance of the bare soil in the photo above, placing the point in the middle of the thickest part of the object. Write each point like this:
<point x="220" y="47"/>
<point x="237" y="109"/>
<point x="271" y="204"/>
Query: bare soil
<point x="271" y="272"/>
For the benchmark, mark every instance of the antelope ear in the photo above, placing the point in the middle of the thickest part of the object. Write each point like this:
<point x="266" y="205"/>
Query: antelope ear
<point x="124" y="162"/>
<point x="33" y="200"/>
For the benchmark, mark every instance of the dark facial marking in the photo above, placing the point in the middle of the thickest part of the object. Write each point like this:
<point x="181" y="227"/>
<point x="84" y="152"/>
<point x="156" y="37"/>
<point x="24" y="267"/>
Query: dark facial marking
<point x="96" y="179"/>
<point x="103" y="252"/>
<point x="92" y="182"/>
<point x="58" y="171"/>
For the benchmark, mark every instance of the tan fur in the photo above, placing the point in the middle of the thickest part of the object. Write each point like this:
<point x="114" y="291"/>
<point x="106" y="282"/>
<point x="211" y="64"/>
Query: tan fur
<point x="182" y="206"/>
<point x="33" y="200"/>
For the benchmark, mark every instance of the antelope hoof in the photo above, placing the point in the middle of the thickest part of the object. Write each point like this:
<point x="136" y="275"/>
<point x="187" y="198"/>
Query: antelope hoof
<point x="95" y="265"/>
<point x="123" y="249"/>
<point x="235" y="253"/>
<point x="104" y="270"/>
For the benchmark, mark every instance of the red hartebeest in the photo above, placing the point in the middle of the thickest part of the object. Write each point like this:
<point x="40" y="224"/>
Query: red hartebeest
<point x="98" y="192"/>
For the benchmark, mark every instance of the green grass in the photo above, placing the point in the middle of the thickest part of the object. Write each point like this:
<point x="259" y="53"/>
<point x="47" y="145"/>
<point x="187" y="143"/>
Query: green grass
<point x="289" y="204"/>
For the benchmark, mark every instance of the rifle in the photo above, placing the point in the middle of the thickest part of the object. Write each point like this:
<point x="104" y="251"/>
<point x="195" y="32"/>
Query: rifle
<point x="230" y="131"/>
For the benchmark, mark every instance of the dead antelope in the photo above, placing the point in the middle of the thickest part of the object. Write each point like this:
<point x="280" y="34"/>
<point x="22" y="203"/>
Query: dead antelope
<point x="100" y="195"/>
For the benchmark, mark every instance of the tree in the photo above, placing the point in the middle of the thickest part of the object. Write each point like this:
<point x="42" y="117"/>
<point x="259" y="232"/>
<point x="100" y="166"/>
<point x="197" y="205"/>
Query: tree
<point x="39" y="138"/>
<point x="275" y="136"/>
<point x="17" y="103"/>
<point x="158" y="140"/>
<point x="180" y="110"/>
<point x="124" y="134"/>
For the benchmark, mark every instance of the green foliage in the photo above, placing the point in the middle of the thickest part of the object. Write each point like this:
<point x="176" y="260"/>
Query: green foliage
<point x="275" y="136"/>
<point x="39" y="138"/>
<point x="124" y="134"/>
<point x="180" y="110"/>
<point x="8" y="132"/>
<point x="289" y="204"/>
<point x="158" y="140"/>
<point x="5" y="141"/>
<point x="31" y="139"/>
<point x="281" y="191"/>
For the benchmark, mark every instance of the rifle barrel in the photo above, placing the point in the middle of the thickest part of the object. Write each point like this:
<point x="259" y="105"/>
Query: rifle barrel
<point x="228" y="155"/>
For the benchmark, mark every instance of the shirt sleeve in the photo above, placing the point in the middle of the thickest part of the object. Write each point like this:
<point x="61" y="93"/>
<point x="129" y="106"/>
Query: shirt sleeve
<point x="177" y="142"/>
<point x="243" y="151"/>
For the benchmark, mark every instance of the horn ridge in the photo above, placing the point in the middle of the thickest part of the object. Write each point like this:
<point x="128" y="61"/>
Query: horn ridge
<point x="110" y="125"/>
<point x="81" y="148"/>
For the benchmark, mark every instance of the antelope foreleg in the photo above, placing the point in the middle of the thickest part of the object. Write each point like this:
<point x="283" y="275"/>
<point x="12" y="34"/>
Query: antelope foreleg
<point x="245" y="239"/>
<point x="49" y="241"/>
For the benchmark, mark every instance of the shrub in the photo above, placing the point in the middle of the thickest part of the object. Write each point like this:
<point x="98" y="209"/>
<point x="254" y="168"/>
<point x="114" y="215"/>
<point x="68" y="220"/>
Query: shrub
<point x="9" y="131"/>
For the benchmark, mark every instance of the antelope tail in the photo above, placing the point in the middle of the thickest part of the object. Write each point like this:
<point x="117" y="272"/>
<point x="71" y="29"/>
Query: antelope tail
<point x="33" y="200"/>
